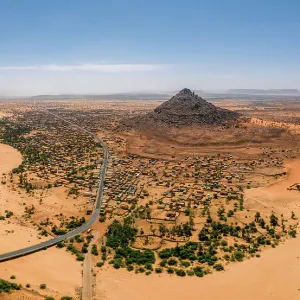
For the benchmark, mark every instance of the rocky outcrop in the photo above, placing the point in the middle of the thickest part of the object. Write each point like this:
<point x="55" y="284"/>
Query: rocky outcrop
<point x="185" y="108"/>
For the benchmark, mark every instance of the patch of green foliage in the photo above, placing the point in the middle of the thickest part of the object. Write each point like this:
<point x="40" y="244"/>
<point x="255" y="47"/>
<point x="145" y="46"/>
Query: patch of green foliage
<point x="119" y="235"/>
<point x="7" y="287"/>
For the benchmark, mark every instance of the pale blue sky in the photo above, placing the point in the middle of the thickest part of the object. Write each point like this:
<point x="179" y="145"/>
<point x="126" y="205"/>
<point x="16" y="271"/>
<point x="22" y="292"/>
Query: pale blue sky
<point x="91" y="46"/>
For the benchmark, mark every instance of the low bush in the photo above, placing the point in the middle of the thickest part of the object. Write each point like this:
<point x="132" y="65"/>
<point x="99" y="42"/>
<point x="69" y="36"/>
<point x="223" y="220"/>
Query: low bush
<point x="180" y="272"/>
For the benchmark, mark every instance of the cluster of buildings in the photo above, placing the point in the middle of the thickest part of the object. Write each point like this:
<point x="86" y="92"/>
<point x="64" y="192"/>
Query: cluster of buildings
<point x="57" y="154"/>
<point x="164" y="190"/>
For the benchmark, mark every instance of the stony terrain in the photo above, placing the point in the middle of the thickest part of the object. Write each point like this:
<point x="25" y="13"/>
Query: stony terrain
<point x="185" y="108"/>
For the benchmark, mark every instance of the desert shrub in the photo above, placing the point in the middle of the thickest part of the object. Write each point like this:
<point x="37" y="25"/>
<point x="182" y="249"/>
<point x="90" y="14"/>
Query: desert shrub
<point x="158" y="270"/>
<point x="130" y="268"/>
<point x="60" y="245"/>
<point x="7" y="287"/>
<point x="224" y="243"/>
<point x="102" y="219"/>
<point x="78" y="239"/>
<point x="206" y="257"/>
<point x="192" y="245"/>
<point x="218" y="267"/>
<point x="185" y="263"/>
<point x="230" y="213"/>
<point x="43" y="286"/>
<point x="94" y="250"/>
<point x="182" y="252"/>
<point x="148" y="266"/>
<point x="198" y="271"/>
<point x="79" y="257"/>
<point x="166" y="253"/>
<point x="293" y="233"/>
<point x="163" y="263"/>
<point x="9" y="214"/>
<point x="180" y="272"/>
<point x="84" y="249"/>
<point x="119" y="235"/>
<point x="172" y="262"/>
<point x="141" y="270"/>
<point x="59" y="231"/>
<point x="238" y="255"/>
<point x="136" y="256"/>
<point x="273" y="220"/>
<point x="227" y="257"/>
<point x="75" y="223"/>
<point x="117" y="263"/>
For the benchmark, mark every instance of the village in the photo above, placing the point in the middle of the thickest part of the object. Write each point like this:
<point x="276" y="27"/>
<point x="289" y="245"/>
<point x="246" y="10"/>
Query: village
<point x="55" y="157"/>
<point x="169" y="202"/>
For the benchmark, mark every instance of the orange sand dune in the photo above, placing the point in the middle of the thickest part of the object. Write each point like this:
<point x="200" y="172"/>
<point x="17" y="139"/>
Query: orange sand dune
<point x="277" y="197"/>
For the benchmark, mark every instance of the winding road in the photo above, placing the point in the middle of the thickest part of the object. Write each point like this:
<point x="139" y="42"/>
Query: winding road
<point x="52" y="242"/>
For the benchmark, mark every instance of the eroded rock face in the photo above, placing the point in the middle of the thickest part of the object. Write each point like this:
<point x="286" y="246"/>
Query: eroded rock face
<point x="186" y="108"/>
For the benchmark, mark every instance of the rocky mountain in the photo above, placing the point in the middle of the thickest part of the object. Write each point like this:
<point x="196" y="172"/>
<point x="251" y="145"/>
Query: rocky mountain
<point x="185" y="108"/>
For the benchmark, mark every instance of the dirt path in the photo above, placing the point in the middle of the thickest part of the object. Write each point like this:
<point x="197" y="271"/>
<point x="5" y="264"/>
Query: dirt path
<point x="87" y="277"/>
<point x="87" y="291"/>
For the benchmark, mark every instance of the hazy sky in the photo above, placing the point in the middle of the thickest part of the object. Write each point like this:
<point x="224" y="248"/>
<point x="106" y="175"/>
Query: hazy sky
<point x="97" y="46"/>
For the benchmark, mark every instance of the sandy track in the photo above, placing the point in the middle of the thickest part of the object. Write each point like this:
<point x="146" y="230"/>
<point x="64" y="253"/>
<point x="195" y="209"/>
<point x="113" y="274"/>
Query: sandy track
<point x="87" y="290"/>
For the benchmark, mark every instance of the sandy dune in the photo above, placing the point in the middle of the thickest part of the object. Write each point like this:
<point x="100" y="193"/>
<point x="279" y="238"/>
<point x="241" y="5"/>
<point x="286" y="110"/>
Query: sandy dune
<point x="277" y="197"/>
<point x="273" y="276"/>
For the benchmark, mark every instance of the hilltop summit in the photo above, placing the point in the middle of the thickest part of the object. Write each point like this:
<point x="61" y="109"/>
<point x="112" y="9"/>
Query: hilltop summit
<point x="186" y="108"/>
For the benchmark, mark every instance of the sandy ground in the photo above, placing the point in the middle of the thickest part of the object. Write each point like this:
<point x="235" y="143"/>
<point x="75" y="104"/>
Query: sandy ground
<point x="9" y="158"/>
<point x="56" y="268"/>
<point x="21" y="295"/>
<point x="273" y="276"/>
<point x="276" y="196"/>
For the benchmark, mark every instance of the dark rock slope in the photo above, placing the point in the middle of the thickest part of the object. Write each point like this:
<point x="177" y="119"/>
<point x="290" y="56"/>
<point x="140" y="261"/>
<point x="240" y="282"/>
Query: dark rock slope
<point x="185" y="108"/>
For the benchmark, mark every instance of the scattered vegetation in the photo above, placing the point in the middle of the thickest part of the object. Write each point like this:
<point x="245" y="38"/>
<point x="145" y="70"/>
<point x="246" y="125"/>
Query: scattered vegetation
<point x="7" y="287"/>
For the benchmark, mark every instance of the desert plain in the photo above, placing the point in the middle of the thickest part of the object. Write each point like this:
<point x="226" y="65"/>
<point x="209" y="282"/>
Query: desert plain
<point x="162" y="178"/>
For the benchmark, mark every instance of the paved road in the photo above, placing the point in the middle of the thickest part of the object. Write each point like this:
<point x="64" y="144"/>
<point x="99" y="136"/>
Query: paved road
<point x="52" y="242"/>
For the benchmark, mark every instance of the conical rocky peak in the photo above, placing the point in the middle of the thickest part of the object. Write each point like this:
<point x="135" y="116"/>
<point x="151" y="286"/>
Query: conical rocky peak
<point x="183" y="103"/>
<point x="185" y="92"/>
<point x="186" y="108"/>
